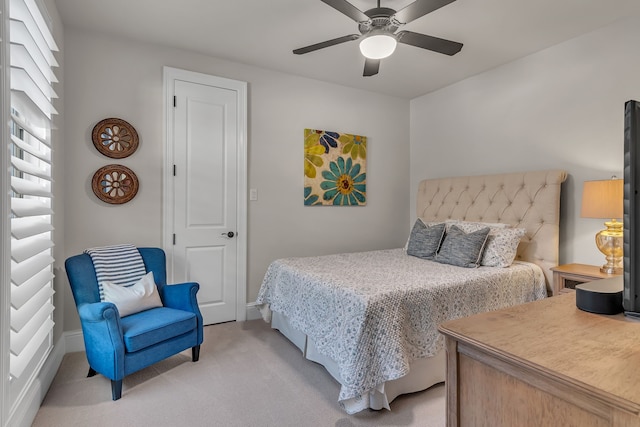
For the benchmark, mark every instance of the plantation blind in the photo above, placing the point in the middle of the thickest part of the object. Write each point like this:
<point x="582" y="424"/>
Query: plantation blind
<point x="31" y="77"/>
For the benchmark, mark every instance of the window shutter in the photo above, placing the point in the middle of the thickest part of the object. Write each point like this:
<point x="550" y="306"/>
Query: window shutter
<point x="31" y="77"/>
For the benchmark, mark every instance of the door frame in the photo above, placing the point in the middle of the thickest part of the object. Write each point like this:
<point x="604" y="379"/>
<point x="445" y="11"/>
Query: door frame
<point x="170" y="75"/>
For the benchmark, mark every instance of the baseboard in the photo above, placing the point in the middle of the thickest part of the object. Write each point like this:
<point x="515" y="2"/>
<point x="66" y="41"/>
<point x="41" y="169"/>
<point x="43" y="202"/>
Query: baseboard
<point x="26" y="409"/>
<point x="252" y="311"/>
<point x="74" y="341"/>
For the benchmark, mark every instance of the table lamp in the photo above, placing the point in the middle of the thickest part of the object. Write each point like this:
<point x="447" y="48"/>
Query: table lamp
<point x="604" y="199"/>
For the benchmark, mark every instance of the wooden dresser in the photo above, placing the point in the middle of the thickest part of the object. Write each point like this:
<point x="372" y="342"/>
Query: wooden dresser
<point x="545" y="363"/>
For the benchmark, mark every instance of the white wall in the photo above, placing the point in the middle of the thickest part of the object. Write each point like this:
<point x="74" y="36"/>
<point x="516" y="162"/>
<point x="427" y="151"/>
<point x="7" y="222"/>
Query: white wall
<point x="560" y="108"/>
<point x="107" y="77"/>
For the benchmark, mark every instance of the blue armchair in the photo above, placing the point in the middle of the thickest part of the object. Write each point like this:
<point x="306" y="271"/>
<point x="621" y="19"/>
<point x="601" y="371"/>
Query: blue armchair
<point x="117" y="346"/>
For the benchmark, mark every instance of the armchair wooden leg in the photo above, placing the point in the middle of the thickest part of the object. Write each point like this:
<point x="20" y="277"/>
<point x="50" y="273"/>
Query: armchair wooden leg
<point x="91" y="373"/>
<point x="195" y="353"/>
<point x="116" y="389"/>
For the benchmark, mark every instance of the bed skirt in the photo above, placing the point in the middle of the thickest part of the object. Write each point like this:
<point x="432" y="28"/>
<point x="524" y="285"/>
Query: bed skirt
<point x="424" y="373"/>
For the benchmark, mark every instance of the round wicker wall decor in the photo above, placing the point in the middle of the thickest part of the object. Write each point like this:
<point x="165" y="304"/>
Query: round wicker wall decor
<point x="115" y="138"/>
<point x="115" y="184"/>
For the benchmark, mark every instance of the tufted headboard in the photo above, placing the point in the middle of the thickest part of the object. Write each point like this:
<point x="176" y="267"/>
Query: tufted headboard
<point x="530" y="200"/>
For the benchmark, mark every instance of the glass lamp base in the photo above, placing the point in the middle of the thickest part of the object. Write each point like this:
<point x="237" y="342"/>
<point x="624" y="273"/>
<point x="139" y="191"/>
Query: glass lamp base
<point x="611" y="270"/>
<point x="610" y="243"/>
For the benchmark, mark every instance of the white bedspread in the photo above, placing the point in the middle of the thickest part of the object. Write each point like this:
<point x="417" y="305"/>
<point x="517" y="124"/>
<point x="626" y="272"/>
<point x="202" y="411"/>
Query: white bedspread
<point x="374" y="312"/>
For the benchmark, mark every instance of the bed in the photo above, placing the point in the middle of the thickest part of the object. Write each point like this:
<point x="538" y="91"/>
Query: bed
<point x="371" y="318"/>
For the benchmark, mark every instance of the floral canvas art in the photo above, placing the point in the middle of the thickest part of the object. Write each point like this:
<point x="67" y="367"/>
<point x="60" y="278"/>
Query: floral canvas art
<point x="334" y="168"/>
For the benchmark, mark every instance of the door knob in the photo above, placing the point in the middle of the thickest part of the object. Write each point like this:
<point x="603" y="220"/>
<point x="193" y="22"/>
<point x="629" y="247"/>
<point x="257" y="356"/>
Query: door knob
<point x="230" y="234"/>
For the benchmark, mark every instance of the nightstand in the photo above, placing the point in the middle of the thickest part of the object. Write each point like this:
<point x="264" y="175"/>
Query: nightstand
<point x="567" y="276"/>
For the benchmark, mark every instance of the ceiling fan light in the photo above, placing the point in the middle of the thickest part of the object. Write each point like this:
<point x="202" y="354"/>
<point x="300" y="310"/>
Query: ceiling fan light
<point x="378" y="46"/>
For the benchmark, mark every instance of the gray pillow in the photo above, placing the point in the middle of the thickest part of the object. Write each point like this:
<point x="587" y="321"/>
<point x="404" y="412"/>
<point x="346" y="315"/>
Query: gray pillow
<point x="462" y="249"/>
<point x="424" y="240"/>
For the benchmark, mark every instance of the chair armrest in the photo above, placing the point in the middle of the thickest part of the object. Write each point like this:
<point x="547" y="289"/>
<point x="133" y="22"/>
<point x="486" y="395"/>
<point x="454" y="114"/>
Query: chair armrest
<point x="98" y="312"/>
<point x="103" y="339"/>
<point x="181" y="296"/>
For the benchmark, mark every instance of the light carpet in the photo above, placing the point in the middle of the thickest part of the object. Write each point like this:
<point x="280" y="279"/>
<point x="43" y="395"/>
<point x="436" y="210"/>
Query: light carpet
<point x="248" y="375"/>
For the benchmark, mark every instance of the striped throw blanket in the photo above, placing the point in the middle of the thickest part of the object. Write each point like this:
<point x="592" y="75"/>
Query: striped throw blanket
<point x="119" y="264"/>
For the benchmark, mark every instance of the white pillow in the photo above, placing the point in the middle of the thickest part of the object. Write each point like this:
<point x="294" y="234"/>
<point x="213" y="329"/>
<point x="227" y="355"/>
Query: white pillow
<point x="502" y="246"/>
<point x="471" y="226"/>
<point x="140" y="296"/>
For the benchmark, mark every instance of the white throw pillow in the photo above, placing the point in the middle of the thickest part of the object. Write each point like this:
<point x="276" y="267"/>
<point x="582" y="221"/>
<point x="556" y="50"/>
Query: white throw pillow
<point x="140" y="296"/>
<point x="502" y="246"/>
<point x="471" y="226"/>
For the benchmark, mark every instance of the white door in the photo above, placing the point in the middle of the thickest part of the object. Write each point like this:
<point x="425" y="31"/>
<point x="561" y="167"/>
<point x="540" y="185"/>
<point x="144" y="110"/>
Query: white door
<point x="206" y="131"/>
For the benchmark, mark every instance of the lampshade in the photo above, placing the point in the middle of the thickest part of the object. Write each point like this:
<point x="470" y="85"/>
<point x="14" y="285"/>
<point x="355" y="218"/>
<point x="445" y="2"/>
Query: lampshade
<point x="378" y="46"/>
<point x="603" y="199"/>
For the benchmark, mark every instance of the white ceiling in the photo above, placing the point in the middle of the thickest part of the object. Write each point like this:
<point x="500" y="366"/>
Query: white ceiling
<point x="264" y="32"/>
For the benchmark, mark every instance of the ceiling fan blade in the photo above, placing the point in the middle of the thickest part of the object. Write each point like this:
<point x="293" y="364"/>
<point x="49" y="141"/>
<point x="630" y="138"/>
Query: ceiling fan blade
<point x="348" y="9"/>
<point x="327" y="43"/>
<point x="435" y="44"/>
<point x="419" y="8"/>
<point x="371" y="67"/>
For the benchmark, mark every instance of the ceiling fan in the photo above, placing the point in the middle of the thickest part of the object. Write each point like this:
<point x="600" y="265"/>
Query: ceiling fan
<point x="378" y="34"/>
